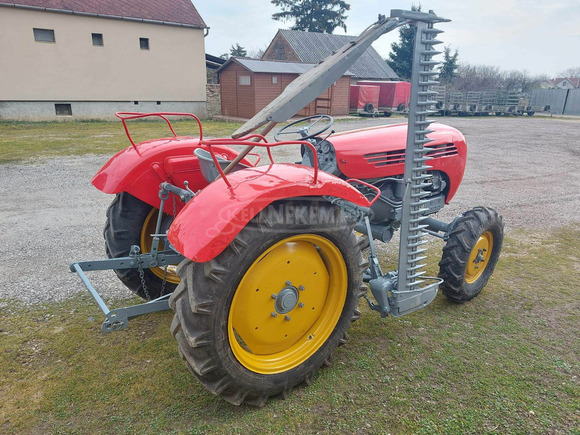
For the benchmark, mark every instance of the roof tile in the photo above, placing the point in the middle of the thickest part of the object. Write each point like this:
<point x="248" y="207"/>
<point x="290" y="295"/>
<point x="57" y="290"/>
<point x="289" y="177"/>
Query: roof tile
<point x="172" y="11"/>
<point x="313" y="47"/>
<point x="273" y="66"/>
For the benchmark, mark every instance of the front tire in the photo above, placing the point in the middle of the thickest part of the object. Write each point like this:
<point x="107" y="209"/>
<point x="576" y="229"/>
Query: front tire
<point x="131" y="221"/>
<point x="267" y="312"/>
<point x="471" y="253"/>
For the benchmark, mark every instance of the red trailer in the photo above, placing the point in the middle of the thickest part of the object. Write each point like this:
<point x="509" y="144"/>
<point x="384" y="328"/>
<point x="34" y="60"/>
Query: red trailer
<point x="393" y="96"/>
<point x="364" y="100"/>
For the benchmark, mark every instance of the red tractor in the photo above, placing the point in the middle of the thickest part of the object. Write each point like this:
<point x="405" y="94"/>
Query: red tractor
<point x="271" y="268"/>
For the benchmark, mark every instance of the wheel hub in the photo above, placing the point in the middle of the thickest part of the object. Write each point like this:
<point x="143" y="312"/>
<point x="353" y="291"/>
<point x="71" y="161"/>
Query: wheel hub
<point x="479" y="257"/>
<point x="286" y="300"/>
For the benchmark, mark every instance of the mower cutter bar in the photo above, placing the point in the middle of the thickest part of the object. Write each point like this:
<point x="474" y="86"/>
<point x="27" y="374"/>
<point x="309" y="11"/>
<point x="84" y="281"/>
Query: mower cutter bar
<point x="118" y="318"/>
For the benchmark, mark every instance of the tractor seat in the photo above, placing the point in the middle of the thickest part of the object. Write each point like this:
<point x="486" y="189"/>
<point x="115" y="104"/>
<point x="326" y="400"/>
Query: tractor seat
<point x="207" y="165"/>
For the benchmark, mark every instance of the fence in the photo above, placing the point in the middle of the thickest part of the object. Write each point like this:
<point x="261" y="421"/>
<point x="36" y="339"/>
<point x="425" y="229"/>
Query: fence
<point x="558" y="101"/>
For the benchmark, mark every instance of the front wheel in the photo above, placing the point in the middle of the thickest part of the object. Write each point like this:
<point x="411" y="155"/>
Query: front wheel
<point x="271" y="309"/>
<point x="471" y="253"/>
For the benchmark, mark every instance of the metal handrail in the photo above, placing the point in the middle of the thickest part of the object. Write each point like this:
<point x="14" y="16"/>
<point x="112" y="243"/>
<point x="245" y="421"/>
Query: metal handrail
<point x="244" y="142"/>
<point x="126" y="116"/>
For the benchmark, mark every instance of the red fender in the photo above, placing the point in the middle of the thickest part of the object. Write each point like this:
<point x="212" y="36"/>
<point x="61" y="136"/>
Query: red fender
<point x="140" y="170"/>
<point x="213" y="218"/>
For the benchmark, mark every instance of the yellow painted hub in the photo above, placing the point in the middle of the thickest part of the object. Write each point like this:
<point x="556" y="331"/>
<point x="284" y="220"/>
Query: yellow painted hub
<point x="287" y="304"/>
<point x="479" y="257"/>
<point x="146" y="243"/>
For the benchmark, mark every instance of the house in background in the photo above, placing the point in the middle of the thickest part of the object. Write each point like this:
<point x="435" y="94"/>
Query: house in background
<point x="91" y="58"/>
<point x="248" y="85"/>
<point x="567" y="83"/>
<point x="311" y="47"/>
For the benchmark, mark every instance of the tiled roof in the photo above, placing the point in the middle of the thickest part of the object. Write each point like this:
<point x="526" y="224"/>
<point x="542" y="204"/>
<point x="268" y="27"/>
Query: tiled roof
<point x="272" y="66"/>
<point x="313" y="47"/>
<point x="574" y="80"/>
<point x="168" y="11"/>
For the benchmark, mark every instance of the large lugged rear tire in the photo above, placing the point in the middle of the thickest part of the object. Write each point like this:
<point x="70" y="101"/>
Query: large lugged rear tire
<point x="471" y="253"/>
<point x="266" y="313"/>
<point x="131" y="221"/>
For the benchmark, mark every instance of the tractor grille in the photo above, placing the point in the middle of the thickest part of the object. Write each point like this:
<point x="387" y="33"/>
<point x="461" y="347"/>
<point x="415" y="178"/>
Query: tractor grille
<point x="398" y="156"/>
<point x="442" y="150"/>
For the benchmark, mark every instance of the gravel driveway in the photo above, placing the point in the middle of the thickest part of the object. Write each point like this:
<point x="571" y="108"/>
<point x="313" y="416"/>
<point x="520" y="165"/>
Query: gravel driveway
<point x="50" y="215"/>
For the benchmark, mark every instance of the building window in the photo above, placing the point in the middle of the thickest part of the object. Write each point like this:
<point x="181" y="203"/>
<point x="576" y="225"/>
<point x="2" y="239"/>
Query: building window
<point x="97" y="39"/>
<point x="63" y="109"/>
<point x="244" y="80"/>
<point x="43" y="35"/>
<point x="144" y="43"/>
<point x="274" y="80"/>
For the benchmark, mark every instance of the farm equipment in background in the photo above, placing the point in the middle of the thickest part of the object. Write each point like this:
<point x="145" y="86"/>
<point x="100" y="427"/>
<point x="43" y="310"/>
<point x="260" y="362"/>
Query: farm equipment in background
<point x="270" y="268"/>
<point x="491" y="102"/>
<point x="373" y="98"/>
<point x="393" y="96"/>
<point x="364" y="100"/>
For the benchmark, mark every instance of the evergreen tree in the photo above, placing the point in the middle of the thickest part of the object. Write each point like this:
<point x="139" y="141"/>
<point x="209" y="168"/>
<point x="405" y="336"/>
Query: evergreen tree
<point x="449" y="67"/>
<point x="322" y="16"/>
<point x="238" y="50"/>
<point x="401" y="56"/>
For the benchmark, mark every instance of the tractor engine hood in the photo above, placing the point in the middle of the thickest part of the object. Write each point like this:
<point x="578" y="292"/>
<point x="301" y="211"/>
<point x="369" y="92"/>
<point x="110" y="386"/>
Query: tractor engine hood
<point x="378" y="152"/>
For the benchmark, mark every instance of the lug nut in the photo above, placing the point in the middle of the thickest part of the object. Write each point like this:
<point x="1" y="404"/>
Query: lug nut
<point x="287" y="318"/>
<point x="274" y="295"/>
<point x="288" y="283"/>
<point x="301" y="288"/>
<point x="300" y="305"/>
<point x="274" y="314"/>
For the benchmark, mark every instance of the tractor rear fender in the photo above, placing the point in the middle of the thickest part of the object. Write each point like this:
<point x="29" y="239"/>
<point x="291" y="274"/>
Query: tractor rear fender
<point x="141" y="169"/>
<point x="213" y="218"/>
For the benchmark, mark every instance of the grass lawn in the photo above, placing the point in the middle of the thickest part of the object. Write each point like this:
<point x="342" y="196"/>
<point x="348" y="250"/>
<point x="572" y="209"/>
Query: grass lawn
<point x="506" y="362"/>
<point x="23" y="140"/>
<point x="20" y="141"/>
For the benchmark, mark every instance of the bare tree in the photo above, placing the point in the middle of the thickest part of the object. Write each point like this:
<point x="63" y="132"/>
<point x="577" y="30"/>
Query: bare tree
<point x="517" y="81"/>
<point x="257" y="53"/>
<point x="487" y="77"/>
<point x="477" y="78"/>
<point x="573" y="72"/>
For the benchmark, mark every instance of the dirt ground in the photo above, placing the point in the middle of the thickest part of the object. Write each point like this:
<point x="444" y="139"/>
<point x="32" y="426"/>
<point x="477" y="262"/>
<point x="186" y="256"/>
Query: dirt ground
<point x="50" y="214"/>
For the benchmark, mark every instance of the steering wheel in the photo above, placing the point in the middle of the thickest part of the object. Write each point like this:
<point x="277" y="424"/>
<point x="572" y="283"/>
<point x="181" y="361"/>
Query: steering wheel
<point x="304" y="131"/>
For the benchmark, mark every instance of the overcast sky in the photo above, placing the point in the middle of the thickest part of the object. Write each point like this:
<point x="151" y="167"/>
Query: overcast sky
<point x="540" y="36"/>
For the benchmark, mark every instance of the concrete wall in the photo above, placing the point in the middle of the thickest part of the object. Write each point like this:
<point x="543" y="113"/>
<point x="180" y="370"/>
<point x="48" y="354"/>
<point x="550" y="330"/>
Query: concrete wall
<point x="72" y="69"/>
<point x="45" y="110"/>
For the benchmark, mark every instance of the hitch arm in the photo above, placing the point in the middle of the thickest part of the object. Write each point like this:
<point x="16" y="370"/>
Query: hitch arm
<point x="117" y="319"/>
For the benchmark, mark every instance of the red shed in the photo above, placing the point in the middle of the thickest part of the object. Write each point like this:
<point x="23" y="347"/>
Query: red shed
<point x="392" y="96"/>
<point x="248" y="85"/>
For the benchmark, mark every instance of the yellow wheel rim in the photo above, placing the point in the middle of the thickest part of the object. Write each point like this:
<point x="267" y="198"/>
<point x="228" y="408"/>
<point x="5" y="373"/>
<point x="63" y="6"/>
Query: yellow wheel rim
<point x="287" y="304"/>
<point x="146" y="243"/>
<point x="479" y="257"/>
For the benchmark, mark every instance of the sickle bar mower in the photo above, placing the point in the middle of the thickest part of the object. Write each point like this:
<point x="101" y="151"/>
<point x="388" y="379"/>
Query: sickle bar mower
<point x="270" y="267"/>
